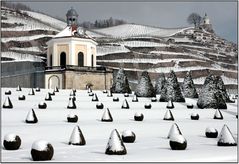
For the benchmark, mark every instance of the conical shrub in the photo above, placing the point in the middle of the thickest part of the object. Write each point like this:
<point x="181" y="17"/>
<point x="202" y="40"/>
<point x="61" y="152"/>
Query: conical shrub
<point x="160" y="82"/>
<point x="226" y="138"/>
<point x="115" y="145"/>
<point x="107" y="117"/>
<point x="171" y="90"/>
<point x="145" y="87"/>
<point x="77" y="137"/>
<point x="120" y="83"/>
<point x="7" y="103"/>
<point x="189" y="89"/>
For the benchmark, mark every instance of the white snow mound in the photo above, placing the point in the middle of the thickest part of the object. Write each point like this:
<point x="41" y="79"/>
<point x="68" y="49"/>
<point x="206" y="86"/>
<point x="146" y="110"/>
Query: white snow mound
<point x="40" y="145"/>
<point x="10" y="137"/>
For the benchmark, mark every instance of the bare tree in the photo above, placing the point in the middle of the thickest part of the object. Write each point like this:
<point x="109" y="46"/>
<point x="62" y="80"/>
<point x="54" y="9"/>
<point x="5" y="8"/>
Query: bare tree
<point x="195" y="19"/>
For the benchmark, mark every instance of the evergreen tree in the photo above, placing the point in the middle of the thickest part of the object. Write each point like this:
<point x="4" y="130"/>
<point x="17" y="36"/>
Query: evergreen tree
<point x="171" y="90"/>
<point x="145" y="87"/>
<point x="221" y="87"/>
<point x="120" y="84"/>
<point x="160" y="83"/>
<point x="189" y="89"/>
<point x="210" y="96"/>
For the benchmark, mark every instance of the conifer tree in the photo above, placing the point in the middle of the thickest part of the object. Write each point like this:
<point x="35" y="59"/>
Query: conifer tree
<point x="189" y="89"/>
<point x="145" y="87"/>
<point x="171" y="90"/>
<point x="120" y="84"/>
<point x="160" y="83"/>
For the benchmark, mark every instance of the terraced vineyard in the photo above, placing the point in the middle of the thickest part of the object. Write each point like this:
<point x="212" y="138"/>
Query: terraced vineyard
<point x="131" y="46"/>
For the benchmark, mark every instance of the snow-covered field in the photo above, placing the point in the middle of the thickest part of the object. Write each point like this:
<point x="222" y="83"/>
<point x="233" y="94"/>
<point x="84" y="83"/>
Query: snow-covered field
<point x="134" y="30"/>
<point x="151" y="134"/>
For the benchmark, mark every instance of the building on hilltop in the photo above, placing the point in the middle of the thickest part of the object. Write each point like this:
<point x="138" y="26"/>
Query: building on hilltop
<point x="71" y="59"/>
<point x="206" y="25"/>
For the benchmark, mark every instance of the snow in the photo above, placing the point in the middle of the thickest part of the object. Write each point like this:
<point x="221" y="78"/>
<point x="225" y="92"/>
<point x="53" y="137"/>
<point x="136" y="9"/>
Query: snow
<point x="134" y="30"/>
<point x="167" y="115"/>
<point x="20" y="56"/>
<point x="153" y="61"/>
<point x="10" y="137"/>
<point x="30" y="116"/>
<point x="28" y="24"/>
<point x="152" y="144"/>
<point x="41" y="103"/>
<point x="173" y="131"/>
<point x="24" y="38"/>
<point x="142" y="44"/>
<point x="211" y="130"/>
<point x="71" y="115"/>
<point x="217" y="114"/>
<point x="114" y="142"/>
<point x="47" y="19"/>
<point x="75" y="136"/>
<point x="7" y="101"/>
<point x="138" y="114"/>
<point x="65" y="32"/>
<point x="104" y="50"/>
<point x="106" y="115"/>
<point x="127" y="133"/>
<point x="226" y="136"/>
<point x="177" y="138"/>
<point x="32" y="49"/>
<point x="40" y="145"/>
<point x="194" y="114"/>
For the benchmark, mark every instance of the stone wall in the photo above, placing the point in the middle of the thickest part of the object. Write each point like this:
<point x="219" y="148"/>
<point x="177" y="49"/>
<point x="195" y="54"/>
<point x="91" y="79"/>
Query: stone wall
<point x="27" y="74"/>
<point x="79" y="80"/>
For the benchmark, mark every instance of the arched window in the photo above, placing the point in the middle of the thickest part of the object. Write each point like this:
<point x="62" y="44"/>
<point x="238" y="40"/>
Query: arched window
<point x="92" y="60"/>
<point x="63" y="59"/>
<point x="50" y="60"/>
<point x="80" y="59"/>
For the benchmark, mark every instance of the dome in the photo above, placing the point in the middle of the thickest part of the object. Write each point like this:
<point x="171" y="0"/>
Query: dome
<point x="71" y="12"/>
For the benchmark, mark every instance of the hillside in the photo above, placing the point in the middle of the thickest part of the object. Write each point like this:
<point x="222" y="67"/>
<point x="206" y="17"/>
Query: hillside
<point x="24" y="34"/>
<point x="137" y="48"/>
<point x="131" y="46"/>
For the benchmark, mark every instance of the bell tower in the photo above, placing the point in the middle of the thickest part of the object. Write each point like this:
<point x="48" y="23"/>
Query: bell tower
<point x="72" y="17"/>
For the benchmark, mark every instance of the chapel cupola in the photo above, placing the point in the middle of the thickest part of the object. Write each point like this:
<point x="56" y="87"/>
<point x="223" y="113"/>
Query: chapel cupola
<point x="71" y="17"/>
<point x="206" y="20"/>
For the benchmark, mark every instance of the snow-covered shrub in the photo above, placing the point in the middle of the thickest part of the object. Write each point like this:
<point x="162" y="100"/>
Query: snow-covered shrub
<point x="160" y="83"/>
<point x="189" y="89"/>
<point x="145" y="87"/>
<point x="211" y="132"/>
<point x="128" y="136"/>
<point x="77" y="137"/>
<point x="7" y="103"/>
<point x="107" y="117"/>
<point x="178" y="142"/>
<point x="99" y="106"/>
<point x="11" y="141"/>
<point x="138" y="116"/>
<point x="226" y="137"/>
<point x="42" y="151"/>
<point x="120" y="84"/>
<point x="171" y="90"/>
<point x="168" y="116"/>
<point x="115" y="145"/>
<point x="21" y="97"/>
<point x="194" y="116"/>
<point x="210" y="96"/>
<point x="72" y="118"/>
<point x="42" y="105"/>
<point x="31" y="117"/>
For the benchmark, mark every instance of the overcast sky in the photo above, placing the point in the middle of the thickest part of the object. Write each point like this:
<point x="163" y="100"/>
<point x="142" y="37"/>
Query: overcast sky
<point x="223" y="15"/>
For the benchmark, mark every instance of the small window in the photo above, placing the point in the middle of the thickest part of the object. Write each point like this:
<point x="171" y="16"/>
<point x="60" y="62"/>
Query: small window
<point x="50" y="60"/>
<point x="92" y="60"/>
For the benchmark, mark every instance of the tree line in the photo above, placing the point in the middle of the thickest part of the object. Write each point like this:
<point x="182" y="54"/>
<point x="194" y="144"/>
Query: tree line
<point x="102" y="23"/>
